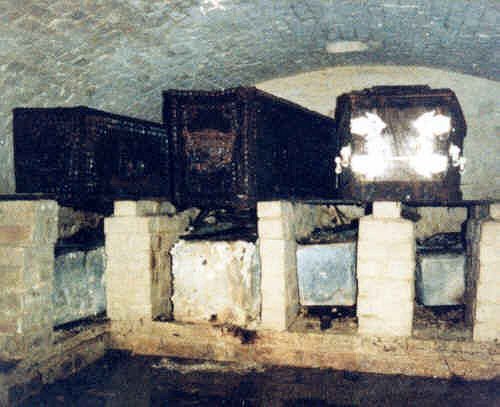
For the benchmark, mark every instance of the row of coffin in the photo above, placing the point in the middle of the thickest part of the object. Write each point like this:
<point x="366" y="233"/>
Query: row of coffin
<point x="326" y="277"/>
<point x="234" y="147"/>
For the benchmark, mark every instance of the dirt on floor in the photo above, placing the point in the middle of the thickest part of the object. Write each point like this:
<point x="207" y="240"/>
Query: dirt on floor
<point x="120" y="379"/>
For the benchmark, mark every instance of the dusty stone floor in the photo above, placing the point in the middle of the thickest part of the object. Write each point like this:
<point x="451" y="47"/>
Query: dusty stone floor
<point x="123" y="380"/>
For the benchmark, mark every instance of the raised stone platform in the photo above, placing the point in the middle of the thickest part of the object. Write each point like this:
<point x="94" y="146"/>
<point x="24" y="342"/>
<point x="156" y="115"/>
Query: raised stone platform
<point x="352" y="352"/>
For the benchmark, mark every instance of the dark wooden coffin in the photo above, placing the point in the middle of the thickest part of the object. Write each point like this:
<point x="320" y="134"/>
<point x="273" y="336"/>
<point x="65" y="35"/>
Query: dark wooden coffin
<point x="234" y="147"/>
<point x="400" y="143"/>
<point x="88" y="158"/>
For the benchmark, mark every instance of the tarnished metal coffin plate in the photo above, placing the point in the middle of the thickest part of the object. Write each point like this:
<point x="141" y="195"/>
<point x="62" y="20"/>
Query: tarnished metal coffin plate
<point x="440" y="279"/>
<point x="327" y="274"/>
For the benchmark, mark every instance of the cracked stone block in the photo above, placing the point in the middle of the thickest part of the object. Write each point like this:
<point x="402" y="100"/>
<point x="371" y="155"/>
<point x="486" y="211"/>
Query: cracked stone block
<point x="327" y="274"/>
<point x="440" y="279"/>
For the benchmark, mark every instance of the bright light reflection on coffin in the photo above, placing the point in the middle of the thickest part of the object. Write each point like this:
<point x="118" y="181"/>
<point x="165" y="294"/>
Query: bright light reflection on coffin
<point x="420" y="153"/>
<point x="369" y="165"/>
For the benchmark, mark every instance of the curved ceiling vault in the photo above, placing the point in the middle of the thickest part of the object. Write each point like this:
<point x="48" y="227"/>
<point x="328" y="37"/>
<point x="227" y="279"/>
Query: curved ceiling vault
<point x="119" y="55"/>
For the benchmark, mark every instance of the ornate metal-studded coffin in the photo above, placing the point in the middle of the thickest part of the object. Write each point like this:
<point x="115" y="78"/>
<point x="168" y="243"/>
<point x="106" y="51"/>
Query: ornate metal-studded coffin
<point x="399" y="143"/>
<point x="89" y="157"/>
<point x="234" y="147"/>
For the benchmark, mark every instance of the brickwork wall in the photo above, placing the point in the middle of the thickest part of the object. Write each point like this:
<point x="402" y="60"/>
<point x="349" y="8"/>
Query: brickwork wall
<point x="487" y="306"/>
<point x="28" y="231"/>
<point x="277" y="247"/>
<point x="138" y="269"/>
<point x="386" y="272"/>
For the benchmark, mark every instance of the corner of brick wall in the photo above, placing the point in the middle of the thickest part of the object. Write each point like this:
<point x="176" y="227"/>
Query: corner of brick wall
<point x="486" y="309"/>
<point x="28" y="232"/>
<point x="138" y="271"/>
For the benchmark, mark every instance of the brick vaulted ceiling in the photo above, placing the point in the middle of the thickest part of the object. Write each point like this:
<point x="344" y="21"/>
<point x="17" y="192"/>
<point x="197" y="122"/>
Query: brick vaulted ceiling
<point x="120" y="54"/>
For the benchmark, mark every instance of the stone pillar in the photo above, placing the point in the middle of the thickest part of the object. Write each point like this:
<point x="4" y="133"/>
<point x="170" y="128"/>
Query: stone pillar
<point x="487" y="307"/>
<point x="476" y="216"/>
<point x="386" y="272"/>
<point x="138" y="268"/>
<point x="277" y="246"/>
<point x="28" y="232"/>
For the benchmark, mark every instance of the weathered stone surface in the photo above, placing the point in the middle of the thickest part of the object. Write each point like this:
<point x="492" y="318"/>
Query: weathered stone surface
<point x="28" y="223"/>
<point x="220" y="279"/>
<point x="79" y="290"/>
<point x="327" y="274"/>
<point x="440" y="279"/>
<point x="351" y="352"/>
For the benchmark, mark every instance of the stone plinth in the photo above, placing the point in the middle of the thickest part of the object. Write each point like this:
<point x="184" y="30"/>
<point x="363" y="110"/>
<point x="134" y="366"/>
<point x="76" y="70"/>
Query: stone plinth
<point x="487" y="307"/>
<point x="385" y="269"/>
<point x="277" y="247"/>
<point x="216" y="281"/>
<point x="138" y="269"/>
<point x="28" y="232"/>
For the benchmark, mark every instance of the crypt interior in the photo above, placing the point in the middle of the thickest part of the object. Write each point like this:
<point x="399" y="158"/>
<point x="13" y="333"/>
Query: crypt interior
<point x="178" y="181"/>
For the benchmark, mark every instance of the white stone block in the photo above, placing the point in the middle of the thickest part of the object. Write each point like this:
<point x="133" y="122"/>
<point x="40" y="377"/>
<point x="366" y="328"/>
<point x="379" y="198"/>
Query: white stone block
<point x="487" y="312"/>
<point x="121" y="243"/>
<point x="489" y="291"/>
<point x="273" y="320"/>
<point x="217" y="278"/>
<point x="396" y="251"/>
<point x="495" y="211"/>
<point x="275" y="209"/>
<point x="136" y="208"/>
<point x="483" y="332"/>
<point x="131" y="225"/>
<point x="374" y="287"/>
<point x="490" y="234"/>
<point x="275" y="229"/>
<point x="386" y="209"/>
<point x="489" y="253"/>
<point x="384" y="307"/>
<point x="385" y="230"/>
<point x="278" y="256"/>
<point x="403" y="269"/>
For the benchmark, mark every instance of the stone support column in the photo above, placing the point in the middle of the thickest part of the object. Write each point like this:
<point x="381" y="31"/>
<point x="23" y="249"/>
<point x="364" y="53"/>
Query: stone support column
<point x="277" y="246"/>
<point x="487" y="305"/>
<point x="138" y="269"/>
<point x="386" y="272"/>
<point x="28" y="232"/>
